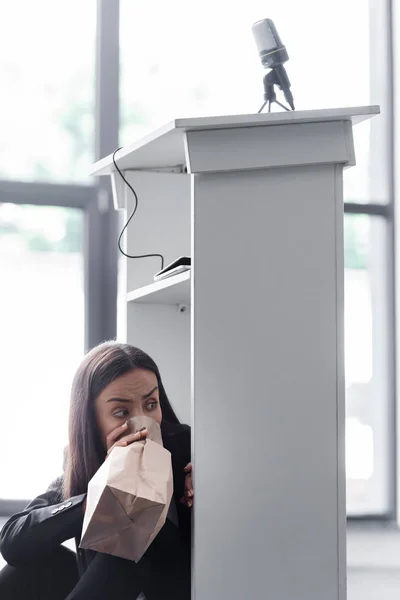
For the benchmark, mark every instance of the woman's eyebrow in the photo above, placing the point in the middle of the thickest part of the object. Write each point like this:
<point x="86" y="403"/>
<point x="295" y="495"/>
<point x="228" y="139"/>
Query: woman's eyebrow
<point x="126" y="400"/>
<point x="150" y="393"/>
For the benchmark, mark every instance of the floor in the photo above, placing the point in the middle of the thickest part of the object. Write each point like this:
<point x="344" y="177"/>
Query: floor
<point x="368" y="579"/>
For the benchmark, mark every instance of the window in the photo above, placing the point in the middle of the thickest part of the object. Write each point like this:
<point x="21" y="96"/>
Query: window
<point x="47" y="52"/>
<point x="368" y="404"/>
<point x="42" y="340"/>
<point x="58" y="270"/>
<point x="336" y="63"/>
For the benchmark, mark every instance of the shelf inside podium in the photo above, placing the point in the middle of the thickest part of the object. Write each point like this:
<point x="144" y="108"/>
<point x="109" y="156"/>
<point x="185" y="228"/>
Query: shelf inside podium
<point x="172" y="290"/>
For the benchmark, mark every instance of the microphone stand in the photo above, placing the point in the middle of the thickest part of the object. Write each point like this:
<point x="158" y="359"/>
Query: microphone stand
<point x="270" y="80"/>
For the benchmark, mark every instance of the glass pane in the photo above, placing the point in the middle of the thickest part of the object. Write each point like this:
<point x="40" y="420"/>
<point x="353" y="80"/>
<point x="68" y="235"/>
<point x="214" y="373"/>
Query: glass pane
<point x="185" y="63"/>
<point x="47" y="52"/>
<point x="42" y="340"/>
<point x="368" y="435"/>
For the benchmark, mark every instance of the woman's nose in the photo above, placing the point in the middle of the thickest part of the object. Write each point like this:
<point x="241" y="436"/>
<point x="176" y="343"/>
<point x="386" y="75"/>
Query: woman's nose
<point x="137" y="411"/>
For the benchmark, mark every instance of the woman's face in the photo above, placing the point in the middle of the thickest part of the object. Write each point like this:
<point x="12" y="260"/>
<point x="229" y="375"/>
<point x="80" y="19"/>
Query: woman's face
<point x="131" y="395"/>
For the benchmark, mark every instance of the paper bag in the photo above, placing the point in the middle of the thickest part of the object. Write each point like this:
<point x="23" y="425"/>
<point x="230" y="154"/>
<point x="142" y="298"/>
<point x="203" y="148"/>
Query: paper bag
<point x="129" y="496"/>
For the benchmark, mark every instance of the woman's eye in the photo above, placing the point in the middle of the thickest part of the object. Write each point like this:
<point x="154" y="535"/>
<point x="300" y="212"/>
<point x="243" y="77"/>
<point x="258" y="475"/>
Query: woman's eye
<point x="121" y="413"/>
<point x="152" y="405"/>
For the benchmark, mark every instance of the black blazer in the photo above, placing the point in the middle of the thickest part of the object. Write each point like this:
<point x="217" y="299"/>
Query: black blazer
<point x="48" y="521"/>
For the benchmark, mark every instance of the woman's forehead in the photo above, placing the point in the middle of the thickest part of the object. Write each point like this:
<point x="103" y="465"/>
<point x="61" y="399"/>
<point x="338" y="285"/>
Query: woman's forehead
<point x="137" y="381"/>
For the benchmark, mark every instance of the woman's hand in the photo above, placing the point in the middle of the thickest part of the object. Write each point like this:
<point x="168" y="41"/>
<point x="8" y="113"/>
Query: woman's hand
<point x="188" y="497"/>
<point x="117" y="437"/>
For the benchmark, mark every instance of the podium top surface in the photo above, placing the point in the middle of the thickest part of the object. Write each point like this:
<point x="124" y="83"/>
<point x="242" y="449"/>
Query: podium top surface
<point x="165" y="148"/>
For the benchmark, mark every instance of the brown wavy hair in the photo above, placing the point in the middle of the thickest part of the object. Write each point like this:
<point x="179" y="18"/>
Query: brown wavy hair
<point x="101" y="366"/>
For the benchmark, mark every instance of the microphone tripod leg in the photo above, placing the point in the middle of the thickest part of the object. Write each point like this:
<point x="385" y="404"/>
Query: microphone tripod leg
<point x="283" y="106"/>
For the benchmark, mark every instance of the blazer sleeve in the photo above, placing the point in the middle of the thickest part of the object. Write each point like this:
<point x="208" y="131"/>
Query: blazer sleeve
<point x="43" y="525"/>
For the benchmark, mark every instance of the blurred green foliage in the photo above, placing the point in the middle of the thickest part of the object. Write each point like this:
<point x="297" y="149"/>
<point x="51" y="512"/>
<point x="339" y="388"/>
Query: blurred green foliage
<point x="356" y="241"/>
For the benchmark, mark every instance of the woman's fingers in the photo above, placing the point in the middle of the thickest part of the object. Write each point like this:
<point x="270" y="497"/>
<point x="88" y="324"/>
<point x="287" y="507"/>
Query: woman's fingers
<point x="188" y="488"/>
<point x="187" y="502"/>
<point x="115" y="434"/>
<point x="188" y="480"/>
<point x="129" y="439"/>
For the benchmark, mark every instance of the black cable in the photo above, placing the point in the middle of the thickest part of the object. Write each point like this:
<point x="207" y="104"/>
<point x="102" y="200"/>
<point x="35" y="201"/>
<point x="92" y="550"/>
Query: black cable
<point x="131" y="216"/>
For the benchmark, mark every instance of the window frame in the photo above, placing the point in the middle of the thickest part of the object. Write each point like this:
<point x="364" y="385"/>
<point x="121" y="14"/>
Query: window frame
<point x="100" y="218"/>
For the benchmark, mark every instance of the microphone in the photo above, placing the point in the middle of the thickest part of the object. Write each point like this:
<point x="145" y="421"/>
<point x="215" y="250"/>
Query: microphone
<point x="273" y="54"/>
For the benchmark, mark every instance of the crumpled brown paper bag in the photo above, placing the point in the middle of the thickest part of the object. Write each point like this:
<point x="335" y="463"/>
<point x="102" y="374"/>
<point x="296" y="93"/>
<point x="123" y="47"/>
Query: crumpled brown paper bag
<point x="129" y="496"/>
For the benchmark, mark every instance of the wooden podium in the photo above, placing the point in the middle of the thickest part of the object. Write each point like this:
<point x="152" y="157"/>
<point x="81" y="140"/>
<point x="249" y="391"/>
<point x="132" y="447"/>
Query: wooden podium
<point x="250" y="344"/>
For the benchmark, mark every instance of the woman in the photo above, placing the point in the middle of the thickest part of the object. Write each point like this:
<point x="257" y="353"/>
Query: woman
<point x="113" y="383"/>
